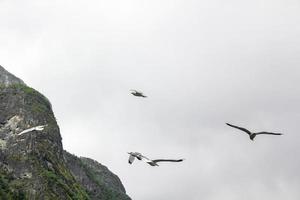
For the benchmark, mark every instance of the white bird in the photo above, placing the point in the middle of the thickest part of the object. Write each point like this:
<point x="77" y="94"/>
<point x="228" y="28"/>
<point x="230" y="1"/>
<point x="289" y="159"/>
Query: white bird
<point x="139" y="156"/>
<point x="252" y="135"/>
<point x="36" y="128"/>
<point x="137" y="93"/>
<point x="133" y="155"/>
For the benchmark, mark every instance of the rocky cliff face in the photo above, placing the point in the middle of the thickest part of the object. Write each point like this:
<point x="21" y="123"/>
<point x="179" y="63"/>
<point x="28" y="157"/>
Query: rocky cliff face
<point x="34" y="165"/>
<point x="99" y="182"/>
<point x="7" y="78"/>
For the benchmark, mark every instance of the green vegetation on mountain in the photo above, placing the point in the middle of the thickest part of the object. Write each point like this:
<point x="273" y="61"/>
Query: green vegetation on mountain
<point x="34" y="165"/>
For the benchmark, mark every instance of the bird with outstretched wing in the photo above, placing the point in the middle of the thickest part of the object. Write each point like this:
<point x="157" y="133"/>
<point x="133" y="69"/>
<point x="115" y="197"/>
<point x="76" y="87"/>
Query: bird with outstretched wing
<point x="139" y="156"/>
<point x="251" y="134"/>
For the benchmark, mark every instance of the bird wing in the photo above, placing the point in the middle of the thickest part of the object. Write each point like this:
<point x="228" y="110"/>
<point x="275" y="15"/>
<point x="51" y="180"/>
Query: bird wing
<point x="131" y="159"/>
<point x="137" y="155"/>
<point x="268" y="133"/>
<point x="145" y="159"/>
<point x="167" y="160"/>
<point x="40" y="128"/>
<point x="138" y="93"/>
<point x="26" y="131"/>
<point x="37" y="128"/>
<point x="240" y="128"/>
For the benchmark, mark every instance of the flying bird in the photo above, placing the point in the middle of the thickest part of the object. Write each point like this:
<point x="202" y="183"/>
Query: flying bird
<point x="137" y="93"/>
<point x="252" y="135"/>
<point x="139" y="156"/>
<point x="36" y="128"/>
<point x="133" y="155"/>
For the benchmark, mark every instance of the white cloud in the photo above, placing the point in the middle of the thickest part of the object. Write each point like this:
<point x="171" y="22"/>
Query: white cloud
<point x="201" y="64"/>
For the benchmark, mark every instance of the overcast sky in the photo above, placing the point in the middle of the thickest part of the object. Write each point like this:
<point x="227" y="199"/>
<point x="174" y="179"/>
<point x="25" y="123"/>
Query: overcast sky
<point x="202" y="63"/>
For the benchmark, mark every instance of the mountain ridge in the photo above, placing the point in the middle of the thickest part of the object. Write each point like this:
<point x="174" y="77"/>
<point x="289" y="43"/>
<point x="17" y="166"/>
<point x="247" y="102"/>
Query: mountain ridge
<point x="35" y="165"/>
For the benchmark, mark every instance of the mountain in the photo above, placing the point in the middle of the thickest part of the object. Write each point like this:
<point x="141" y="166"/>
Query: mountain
<point x="34" y="165"/>
<point x="7" y="78"/>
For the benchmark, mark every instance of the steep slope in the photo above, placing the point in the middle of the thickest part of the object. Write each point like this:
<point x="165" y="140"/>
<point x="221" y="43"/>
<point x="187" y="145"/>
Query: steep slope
<point x="33" y="165"/>
<point x="7" y="78"/>
<point x="96" y="178"/>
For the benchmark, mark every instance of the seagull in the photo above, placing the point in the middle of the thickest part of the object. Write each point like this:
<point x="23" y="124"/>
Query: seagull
<point x="139" y="156"/>
<point x="252" y="135"/>
<point x="137" y="93"/>
<point x="133" y="155"/>
<point x="36" y="128"/>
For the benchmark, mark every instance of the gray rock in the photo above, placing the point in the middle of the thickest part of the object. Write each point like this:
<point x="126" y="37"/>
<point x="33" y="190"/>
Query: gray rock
<point x="7" y="78"/>
<point x="34" y="165"/>
<point x="98" y="180"/>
